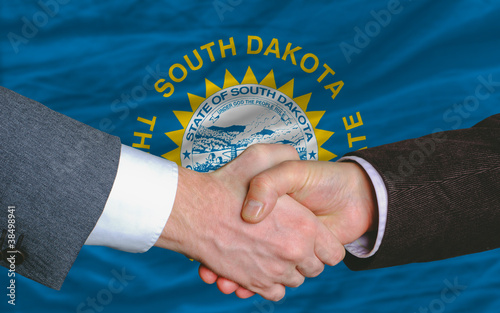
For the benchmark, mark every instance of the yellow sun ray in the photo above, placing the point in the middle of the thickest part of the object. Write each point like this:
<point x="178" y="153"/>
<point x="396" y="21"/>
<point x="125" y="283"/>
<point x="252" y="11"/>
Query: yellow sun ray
<point x="314" y="117"/>
<point x="303" y="101"/>
<point x="269" y="80"/>
<point x="183" y="117"/>
<point x="229" y="80"/>
<point x="287" y="88"/>
<point x="174" y="156"/>
<point x="211" y="88"/>
<point x="195" y="101"/>
<point x="325" y="155"/>
<point x="322" y="136"/>
<point x="249" y="77"/>
<point x="176" y="136"/>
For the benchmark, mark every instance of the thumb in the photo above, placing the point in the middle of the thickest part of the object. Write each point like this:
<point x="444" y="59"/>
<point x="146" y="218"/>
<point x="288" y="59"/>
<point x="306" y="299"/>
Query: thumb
<point x="265" y="189"/>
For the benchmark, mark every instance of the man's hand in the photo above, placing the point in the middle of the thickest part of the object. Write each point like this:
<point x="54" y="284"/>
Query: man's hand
<point x="206" y="225"/>
<point x="340" y="194"/>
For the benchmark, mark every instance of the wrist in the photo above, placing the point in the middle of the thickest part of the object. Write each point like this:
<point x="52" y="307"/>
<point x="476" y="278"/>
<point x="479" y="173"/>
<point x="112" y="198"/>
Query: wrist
<point x="368" y="198"/>
<point x="180" y="230"/>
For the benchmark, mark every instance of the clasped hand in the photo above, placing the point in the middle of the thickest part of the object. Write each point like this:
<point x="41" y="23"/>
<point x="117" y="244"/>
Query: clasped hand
<point x="297" y="216"/>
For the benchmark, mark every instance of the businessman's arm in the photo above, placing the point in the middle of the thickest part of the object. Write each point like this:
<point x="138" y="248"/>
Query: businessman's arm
<point x="57" y="173"/>
<point x="437" y="197"/>
<point x="442" y="200"/>
<point x="443" y="195"/>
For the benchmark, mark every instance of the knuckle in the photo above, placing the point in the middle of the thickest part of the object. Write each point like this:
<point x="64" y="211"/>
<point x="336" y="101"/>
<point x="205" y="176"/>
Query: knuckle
<point x="291" y="152"/>
<point x="259" y="285"/>
<point x="296" y="281"/>
<point x="257" y="150"/>
<point x="317" y="270"/>
<point x="337" y="256"/>
<point x="291" y="165"/>
<point x="294" y="168"/>
<point x="308" y="228"/>
<point x="312" y="266"/>
<point x="294" y="252"/>
<point x="311" y="226"/>
<point x="261" y="181"/>
<point x="309" y="263"/>
<point x="276" y="294"/>
<point x="277" y="271"/>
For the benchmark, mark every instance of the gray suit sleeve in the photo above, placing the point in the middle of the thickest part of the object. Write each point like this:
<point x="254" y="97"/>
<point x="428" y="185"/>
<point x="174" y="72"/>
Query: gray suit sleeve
<point x="57" y="173"/>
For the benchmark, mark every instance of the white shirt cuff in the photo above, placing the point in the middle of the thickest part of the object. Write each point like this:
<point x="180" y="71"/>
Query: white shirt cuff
<point x="139" y="204"/>
<point x="364" y="247"/>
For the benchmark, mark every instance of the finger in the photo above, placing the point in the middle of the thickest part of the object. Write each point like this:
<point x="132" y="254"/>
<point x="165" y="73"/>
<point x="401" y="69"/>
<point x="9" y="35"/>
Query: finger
<point x="327" y="247"/>
<point x="311" y="267"/>
<point x="226" y="286"/>
<point x="268" y="186"/>
<point x="207" y="275"/>
<point x="258" y="158"/>
<point x="210" y="277"/>
<point x="244" y="293"/>
<point x="269" y="155"/>
<point x="274" y="293"/>
<point x="295" y="279"/>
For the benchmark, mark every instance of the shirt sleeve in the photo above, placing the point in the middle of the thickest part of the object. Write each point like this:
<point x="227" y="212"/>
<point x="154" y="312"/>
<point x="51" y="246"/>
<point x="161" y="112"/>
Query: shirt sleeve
<point x="139" y="204"/>
<point x="368" y="244"/>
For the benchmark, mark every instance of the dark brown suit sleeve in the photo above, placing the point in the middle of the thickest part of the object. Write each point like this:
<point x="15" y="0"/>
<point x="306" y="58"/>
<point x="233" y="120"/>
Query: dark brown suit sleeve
<point x="443" y="195"/>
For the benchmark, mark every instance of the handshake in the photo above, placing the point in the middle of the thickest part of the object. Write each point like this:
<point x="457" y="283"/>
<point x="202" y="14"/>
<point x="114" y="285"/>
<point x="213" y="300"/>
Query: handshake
<point x="267" y="220"/>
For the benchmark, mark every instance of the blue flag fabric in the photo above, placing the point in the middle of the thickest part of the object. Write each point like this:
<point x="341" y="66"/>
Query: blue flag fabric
<point x="198" y="82"/>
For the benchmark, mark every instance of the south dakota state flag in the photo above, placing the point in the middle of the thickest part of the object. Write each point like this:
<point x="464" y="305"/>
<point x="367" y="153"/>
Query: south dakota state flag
<point x="197" y="82"/>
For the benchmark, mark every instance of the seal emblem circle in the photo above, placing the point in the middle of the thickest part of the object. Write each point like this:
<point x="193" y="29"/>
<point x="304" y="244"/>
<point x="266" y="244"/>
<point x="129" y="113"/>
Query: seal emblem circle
<point x="232" y="119"/>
